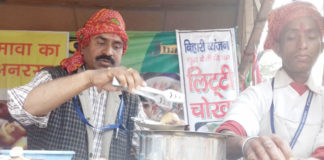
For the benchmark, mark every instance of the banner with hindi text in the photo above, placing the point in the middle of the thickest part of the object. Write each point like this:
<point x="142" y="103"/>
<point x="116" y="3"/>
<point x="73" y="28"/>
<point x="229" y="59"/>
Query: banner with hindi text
<point x="208" y="69"/>
<point x="23" y="53"/>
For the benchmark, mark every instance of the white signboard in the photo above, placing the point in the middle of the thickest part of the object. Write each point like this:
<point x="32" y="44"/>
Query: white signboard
<point x="208" y="71"/>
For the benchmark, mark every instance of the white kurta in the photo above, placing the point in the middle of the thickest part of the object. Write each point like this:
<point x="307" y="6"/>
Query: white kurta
<point x="252" y="111"/>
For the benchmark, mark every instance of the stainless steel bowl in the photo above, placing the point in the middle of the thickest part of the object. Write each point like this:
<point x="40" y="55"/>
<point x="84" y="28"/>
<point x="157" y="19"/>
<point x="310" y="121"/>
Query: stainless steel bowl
<point x="181" y="145"/>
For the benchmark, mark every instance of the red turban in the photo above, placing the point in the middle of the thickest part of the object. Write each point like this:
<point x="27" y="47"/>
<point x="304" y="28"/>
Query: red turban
<point x="280" y="17"/>
<point x="104" y="21"/>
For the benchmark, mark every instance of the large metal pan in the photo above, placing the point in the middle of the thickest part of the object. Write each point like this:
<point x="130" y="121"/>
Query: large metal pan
<point x="181" y="145"/>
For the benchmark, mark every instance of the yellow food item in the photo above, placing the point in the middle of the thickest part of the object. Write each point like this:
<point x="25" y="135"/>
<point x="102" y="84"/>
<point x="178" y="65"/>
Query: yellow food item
<point x="21" y="142"/>
<point x="170" y="118"/>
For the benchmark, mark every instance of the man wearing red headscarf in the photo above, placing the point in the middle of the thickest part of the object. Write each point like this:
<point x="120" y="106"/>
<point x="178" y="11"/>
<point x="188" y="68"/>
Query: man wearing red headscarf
<point x="74" y="106"/>
<point x="283" y="118"/>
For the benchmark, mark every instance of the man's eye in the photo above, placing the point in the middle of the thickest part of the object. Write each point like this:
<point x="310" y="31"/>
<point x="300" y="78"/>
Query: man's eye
<point x="313" y="35"/>
<point x="291" y="37"/>
<point x="117" y="46"/>
<point x="100" y="43"/>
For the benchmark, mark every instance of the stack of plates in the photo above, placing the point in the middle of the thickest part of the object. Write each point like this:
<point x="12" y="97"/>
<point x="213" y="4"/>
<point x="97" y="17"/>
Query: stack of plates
<point x="38" y="154"/>
<point x="154" y="125"/>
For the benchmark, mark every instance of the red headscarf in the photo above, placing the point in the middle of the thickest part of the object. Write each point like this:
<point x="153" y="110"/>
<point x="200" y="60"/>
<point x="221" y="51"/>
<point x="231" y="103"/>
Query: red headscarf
<point x="104" y="21"/>
<point x="280" y="17"/>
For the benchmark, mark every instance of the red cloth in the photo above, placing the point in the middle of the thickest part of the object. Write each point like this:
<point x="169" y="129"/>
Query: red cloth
<point x="319" y="153"/>
<point x="104" y="21"/>
<point x="280" y="17"/>
<point x="232" y="126"/>
<point x="299" y="87"/>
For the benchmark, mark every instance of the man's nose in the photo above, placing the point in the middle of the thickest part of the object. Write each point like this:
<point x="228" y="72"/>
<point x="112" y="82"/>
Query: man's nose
<point x="108" y="50"/>
<point x="302" y="41"/>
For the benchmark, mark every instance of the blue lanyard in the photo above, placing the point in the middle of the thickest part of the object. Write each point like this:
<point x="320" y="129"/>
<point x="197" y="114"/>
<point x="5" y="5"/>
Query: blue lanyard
<point x="303" y="120"/>
<point x="109" y="127"/>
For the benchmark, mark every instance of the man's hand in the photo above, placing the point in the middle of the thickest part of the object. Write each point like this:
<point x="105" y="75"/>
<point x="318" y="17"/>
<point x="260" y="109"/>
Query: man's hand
<point x="310" y="158"/>
<point x="127" y="77"/>
<point x="267" y="148"/>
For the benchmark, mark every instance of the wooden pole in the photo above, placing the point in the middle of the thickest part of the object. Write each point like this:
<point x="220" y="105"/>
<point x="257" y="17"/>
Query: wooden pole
<point x="254" y="39"/>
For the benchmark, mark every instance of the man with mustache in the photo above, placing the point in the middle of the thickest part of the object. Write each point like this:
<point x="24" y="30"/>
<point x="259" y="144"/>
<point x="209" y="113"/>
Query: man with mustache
<point x="283" y="117"/>
<point x="74" y="106"/>
<point x="106" y="58"/>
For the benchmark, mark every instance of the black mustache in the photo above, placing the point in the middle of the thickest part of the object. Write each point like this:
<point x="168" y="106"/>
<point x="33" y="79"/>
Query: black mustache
<point x="109" y="58"/>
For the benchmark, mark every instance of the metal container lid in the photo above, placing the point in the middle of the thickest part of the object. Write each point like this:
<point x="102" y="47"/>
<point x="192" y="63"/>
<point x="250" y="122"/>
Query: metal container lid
<point x="182" y="133"/>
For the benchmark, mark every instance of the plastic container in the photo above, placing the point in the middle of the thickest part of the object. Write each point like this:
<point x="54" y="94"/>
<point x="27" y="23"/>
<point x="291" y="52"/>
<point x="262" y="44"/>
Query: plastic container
<point x="43" y="155"/>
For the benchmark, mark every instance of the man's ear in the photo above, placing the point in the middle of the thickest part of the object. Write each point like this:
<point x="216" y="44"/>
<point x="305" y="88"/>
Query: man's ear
<point x="82" y="50"/>
<point x="276" y="48"/>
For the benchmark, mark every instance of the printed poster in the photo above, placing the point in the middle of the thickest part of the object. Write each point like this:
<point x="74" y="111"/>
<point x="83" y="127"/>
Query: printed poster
<point x="209" y="76"/>
<point x="23" y="53"/>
